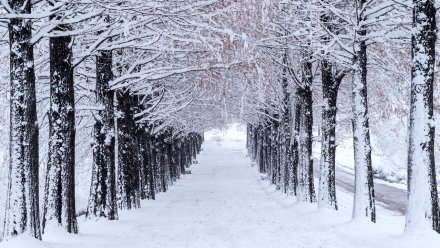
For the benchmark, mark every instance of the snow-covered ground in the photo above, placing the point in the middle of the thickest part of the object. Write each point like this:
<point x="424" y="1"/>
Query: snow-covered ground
<point x="225" y="203"/>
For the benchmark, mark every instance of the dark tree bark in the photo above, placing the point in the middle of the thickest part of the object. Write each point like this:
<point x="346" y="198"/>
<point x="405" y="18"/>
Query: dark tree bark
<point x="128" y="190"/>
<point x="188" y="152"/>
<point x="22" y="206"/>
<point x="249" y="137"/>
<point x="59" y="205"/>
<point x="148" y="165"/>
<point x="144" y="162"/>
<point x="422" y="208"/>
<point x="102" y="200"/>
<point x="260" y="146"/>
<point x="155" y="165"/>
<point x="172" y="158"/>
<point x="327" y="180"/>
<point x="267" y="150"/>
<point x="151" y="174"/>
<point x="178" y="157"/>
<point x="274" y="160"/>
<point x="175" y="154"/>
<point x="162" y="159"/>
<point x="286" y="133"/>
<point x="306" y="189"/>
<point x="182" y="156"/>
<point x="295" y="144"/>
<point x="168" y="157"/>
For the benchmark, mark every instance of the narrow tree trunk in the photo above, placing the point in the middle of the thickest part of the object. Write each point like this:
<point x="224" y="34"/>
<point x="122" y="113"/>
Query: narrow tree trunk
<point x="59" y="205"/>
<point x="144" y="162"/>
<point x="143" y="185"/>
<point x="274" y="152"/>
<point x="102" y="200"/>
<point x="249" y="138"/>
<point x="364" y="204"/>
<point x="286" y="131"/>
<point x="277" y="155"/>
<point x="150" y="170"/>
<point x="266" y="152"/>
<point x="295" y="119"/>
<point x="163" y="164"/>
<point x="188" y="152"/>
<point x="168" y="163"/>
<point x="422" y="209"/>
<point x="327" y="183"/>
<point x="306" y="190"/>
<point x="128" y="167"/>
<point x="154" y="167"/>
<point x="175" y="153"/>
<point x="182" y="156"/>
<point x="159" y="160"/>
<point x="172" y="159"/>
<point x="269" y="159"/>
<point x="22" y="206"/>
<point x="260" y="149"/>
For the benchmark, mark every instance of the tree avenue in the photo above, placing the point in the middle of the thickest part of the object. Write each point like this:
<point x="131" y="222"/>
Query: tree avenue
<point x="126" y="90"/>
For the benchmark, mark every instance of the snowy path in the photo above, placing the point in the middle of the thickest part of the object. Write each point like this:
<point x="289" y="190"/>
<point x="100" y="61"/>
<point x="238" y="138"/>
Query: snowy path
<point x="224" y="203"/>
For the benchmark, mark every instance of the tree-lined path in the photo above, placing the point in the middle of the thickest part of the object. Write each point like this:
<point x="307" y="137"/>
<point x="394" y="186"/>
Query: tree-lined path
<point x="104" y="105"/>
<point x="224" y="203"/>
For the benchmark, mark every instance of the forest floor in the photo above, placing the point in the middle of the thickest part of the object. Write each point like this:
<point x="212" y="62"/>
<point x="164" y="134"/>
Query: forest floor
<point x="225" y="203"/>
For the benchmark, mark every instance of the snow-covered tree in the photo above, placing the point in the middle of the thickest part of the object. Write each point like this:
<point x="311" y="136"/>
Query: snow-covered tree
<point x="102" y="201"/>
<point x="422" y="208"/>
<point x="22" y="207"/>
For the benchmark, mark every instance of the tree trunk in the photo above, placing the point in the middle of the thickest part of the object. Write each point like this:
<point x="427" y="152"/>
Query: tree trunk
<point x="128" y="167"/>
<point x="260" y="148"/>
<point x="306" y="189"/>
<point x="150" y="169"/>
<point x="163" y="163"/>
<point x="102" y="200"/>
<point x="274" y="153"/>
<point x="154" y="166"/>
<point x="364" y="204"/>
<point x="144" y="162"/>
<point x="22" y="206"/>
<point x="182" y="156"/>
<point x="286" y="131"/>
<point x="295" y="119"/>
<point x="422" y="208"/>
<point x="59" y="205"/>
<point x="327" y="183"/>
